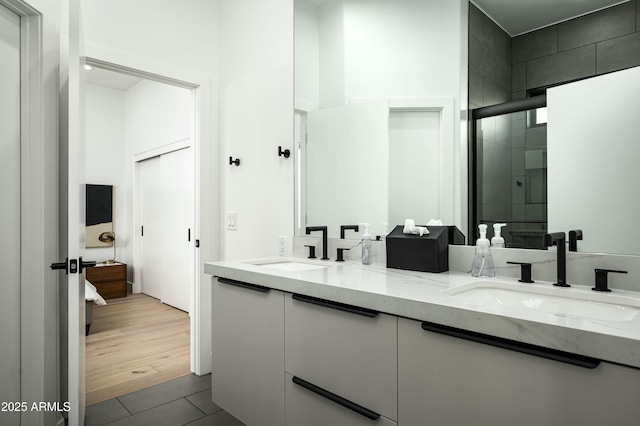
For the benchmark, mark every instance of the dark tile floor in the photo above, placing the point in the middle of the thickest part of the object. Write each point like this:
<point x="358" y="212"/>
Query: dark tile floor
<point x="183" y="401"/>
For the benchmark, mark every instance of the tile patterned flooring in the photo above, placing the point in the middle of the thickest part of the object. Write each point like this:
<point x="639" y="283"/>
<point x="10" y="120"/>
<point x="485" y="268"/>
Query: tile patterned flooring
<point x="182" y="401"/>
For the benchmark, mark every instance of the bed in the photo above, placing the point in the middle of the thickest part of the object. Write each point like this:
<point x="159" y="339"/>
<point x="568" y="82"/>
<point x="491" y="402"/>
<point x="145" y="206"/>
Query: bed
<point x="91" y="296"/>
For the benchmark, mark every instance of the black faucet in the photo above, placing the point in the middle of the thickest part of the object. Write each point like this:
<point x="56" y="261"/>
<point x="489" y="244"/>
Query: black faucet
<point x="559" y="239"/>
<point x="310" y="229"/>
<point x="574" y="236"/>
<point x="345" y="227"/>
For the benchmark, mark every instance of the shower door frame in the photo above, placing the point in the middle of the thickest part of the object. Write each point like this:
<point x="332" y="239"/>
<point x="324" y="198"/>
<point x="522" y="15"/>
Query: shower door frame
<point x="478" y="114"/>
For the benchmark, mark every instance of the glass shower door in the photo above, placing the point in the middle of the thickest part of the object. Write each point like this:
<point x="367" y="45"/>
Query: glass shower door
<point x="509" y="171"/>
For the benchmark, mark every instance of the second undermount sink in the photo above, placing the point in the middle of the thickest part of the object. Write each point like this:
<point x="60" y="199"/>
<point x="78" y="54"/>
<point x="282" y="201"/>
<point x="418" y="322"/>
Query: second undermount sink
<point x="570" y="302"/>
<point x="289" y="265"/>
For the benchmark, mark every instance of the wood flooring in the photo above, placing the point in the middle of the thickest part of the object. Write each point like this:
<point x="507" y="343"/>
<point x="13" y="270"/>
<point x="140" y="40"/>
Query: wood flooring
<point x="134" y="342"/>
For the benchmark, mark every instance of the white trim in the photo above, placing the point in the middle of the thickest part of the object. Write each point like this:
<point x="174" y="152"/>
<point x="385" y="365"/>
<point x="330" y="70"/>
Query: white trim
<point x="174" y="146"/>
<point x="304" y="105"/>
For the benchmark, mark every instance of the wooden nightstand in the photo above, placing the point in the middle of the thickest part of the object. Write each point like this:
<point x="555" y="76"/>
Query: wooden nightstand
<point x="109" y="279"/>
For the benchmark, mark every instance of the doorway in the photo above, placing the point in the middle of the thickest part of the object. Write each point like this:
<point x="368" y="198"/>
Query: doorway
<point x="129" y="119"/>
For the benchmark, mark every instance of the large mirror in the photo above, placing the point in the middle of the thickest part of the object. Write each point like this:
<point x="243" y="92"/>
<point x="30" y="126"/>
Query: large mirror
<point x="564" y="167"/>
<point x="99" y="215"/>
<point x="370" y="149"/>
<point x="341" y="182"/>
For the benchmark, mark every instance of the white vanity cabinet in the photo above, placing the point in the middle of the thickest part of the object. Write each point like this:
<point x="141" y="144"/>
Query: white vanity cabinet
<point x="248" y="351"/>
<point x="306" y="408"/>
<point x="445" y="380"/>
<point x="344" y="351"/>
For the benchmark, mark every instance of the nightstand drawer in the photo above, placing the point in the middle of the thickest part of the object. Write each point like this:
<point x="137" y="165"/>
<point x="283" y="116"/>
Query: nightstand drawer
<point x="112" y="289"/>
<point x="107" y="273"/>
<point x="109" y="280"/>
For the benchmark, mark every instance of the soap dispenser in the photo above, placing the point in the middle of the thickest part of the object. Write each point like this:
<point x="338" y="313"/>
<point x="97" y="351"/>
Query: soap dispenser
<point x="482" y="261"/>
<point x="497" y="241"/>
<point x="366" y="245"/>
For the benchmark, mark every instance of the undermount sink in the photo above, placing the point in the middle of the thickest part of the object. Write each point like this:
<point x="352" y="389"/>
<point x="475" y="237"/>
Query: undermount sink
<point x="289" y="265"/>
<point x="570" y="302"/>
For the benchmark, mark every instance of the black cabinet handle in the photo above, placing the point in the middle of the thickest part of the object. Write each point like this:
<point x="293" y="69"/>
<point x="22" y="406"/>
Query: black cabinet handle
<point x="337" y="399"/>
<point x="527" y="348"/>
<point x="336" y="305"/>
<point x="242" y="284"/>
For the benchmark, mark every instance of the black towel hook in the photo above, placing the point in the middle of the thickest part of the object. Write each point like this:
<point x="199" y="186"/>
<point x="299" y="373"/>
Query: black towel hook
<point x="232" y="161"/>
<point x="286" y="153"/>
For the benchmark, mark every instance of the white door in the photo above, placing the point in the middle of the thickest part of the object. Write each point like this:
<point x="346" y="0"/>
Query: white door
<point x="177" y="221"/>
<point x="72" y="204"/>
<point x="414" y="161"/>
<point x="166" y="218"/>
<point x="10" y="213"/>
<point x="151" y="243"/>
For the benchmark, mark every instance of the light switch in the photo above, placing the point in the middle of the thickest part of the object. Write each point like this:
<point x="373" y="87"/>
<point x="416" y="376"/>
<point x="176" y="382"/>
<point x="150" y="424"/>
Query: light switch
<point x="232" y="221"/>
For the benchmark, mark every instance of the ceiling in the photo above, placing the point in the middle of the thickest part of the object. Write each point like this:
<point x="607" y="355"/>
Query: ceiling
<point x="110" y="79"/>
<point x="522" y="16"/>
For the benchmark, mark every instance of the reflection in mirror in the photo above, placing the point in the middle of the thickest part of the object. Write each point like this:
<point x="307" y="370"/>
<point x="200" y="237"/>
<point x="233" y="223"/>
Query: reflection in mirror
<point x="510" y="153"/>
<point x="510" y="176"/>
<point x="99" y="214"/>
<point x="369" y="150"/>
<point x="367" y="163"/>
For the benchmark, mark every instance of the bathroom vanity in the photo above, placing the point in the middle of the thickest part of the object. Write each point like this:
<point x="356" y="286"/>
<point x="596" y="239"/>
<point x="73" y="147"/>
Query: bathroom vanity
<point x="302" y="342"/>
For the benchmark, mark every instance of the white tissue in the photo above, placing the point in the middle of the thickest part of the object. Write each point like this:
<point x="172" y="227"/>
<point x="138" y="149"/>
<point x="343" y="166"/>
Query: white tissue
<point x="411" y="228"/>
<point x="434" y="222"/>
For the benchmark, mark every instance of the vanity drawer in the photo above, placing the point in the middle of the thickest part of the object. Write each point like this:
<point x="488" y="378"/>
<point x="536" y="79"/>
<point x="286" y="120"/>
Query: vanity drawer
<point x="345" y="352"/>
<point x="313" y="408"/>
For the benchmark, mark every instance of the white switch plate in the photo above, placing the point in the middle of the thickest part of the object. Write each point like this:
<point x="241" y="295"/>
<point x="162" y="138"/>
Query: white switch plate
<point x="232" y="221"/>
<point x="282" y="245"/>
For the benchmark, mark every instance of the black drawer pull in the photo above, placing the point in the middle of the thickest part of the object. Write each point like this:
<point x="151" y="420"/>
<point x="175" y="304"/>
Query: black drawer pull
<point x="337" y="399"/>
<point x="242" y="284"/>
<point x="527" y="348"/>
<point x="336" y="305"/>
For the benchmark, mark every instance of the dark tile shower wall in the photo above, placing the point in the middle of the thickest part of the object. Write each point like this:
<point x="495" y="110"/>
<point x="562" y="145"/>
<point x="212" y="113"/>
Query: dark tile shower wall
<point x="489" y="61"/>
<point x="601" y="42"/>
<point x="490" y="84"/>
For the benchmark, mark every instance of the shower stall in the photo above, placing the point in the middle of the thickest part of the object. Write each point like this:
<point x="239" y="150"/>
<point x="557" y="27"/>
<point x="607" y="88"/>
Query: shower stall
<point x="508" y="170"/>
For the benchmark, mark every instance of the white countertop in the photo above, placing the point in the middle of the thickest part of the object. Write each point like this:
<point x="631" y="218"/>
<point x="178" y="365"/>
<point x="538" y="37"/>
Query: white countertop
<point x="423" y="296"/>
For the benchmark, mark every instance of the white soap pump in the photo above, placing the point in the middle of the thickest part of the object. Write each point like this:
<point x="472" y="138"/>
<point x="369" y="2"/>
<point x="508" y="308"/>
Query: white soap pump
<point x="497" y="241"/>
<point x="482" y="261"/>
<point x="366" y="245"/>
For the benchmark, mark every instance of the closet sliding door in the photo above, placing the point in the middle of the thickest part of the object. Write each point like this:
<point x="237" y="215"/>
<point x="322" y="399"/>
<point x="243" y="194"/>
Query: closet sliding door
<point x="166" y="217"/>
<point x="151" y="206"/>
<point x="177" y="175"/>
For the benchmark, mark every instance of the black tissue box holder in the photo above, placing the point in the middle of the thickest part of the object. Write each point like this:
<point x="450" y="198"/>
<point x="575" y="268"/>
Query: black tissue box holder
<point x="427" y="253"/>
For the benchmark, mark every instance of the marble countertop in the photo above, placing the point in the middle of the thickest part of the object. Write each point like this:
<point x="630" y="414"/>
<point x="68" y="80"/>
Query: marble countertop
<point x="427" y="297"/>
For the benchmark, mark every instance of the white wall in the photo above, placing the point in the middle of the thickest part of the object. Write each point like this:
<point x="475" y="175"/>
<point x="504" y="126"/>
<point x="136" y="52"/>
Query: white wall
<point x="157" y="115"/>
<point x="256" y="87"/>
<point x="307" y="63"/>
<point x="177" y="33"/>
<point x="105" y="161"/>
<point x="379" y="49"/>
